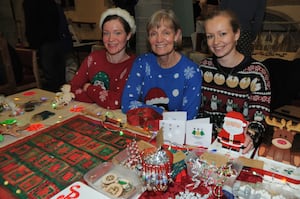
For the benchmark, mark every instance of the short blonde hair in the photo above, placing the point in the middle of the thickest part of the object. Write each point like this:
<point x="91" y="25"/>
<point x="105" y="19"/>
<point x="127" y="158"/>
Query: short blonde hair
<point x="168" y="18"/>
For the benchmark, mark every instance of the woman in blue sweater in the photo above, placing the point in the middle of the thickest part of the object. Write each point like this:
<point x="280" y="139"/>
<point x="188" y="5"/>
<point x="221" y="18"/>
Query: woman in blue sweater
<point x="164" y="79"/>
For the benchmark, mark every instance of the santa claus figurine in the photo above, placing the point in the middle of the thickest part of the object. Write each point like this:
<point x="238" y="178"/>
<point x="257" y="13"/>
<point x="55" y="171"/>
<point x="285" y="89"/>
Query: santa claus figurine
<point x="232" y="135"/>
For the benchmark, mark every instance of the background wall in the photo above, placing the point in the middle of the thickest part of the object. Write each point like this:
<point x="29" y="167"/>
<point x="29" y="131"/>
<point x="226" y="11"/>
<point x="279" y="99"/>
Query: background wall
<point x="184" y="12"/>
<point x="90" y="11"/>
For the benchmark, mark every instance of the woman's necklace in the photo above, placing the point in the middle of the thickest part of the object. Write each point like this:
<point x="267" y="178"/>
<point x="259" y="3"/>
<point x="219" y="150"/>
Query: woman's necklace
<point x="231" y="81"/>
<point x="225" y="70"/>
<point x="229" y="70"/>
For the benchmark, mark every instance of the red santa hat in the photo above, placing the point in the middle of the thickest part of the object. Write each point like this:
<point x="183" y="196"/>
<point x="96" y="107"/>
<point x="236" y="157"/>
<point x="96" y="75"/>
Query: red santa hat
<point x="156" y="96"/>
<point x="235" y="116"/>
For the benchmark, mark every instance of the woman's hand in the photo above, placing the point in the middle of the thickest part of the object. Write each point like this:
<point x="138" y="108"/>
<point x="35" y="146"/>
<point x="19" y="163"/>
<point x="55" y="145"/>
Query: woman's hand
<point x="85" y="86"/>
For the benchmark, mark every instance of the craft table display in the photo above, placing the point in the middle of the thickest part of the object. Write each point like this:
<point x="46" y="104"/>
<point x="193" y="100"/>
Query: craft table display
<point x="60" y="114"/>
<point x="41" y="165"/>
<point x="62" y="148"/>
<point x="58" y="150"/>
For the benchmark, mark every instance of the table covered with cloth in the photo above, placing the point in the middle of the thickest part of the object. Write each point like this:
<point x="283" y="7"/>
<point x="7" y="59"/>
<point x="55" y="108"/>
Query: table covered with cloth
<point x="44" y="161"/>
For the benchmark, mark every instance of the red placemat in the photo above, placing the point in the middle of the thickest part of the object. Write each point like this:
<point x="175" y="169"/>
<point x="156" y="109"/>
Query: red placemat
<point x="42" y="165"/>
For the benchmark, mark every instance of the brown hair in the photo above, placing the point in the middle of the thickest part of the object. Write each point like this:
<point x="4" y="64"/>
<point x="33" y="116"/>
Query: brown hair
<point x="233" y="20"/>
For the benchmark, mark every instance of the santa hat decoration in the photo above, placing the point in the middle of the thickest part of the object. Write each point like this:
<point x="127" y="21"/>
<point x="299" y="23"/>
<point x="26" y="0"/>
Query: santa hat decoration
<point x="235" y="116"/>
<point x="156" y="96"/>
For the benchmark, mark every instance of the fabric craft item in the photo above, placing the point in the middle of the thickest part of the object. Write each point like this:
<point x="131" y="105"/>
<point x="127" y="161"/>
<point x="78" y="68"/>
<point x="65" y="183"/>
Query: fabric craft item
<point x="55" y="157"/>
<point x="146" y="118"/>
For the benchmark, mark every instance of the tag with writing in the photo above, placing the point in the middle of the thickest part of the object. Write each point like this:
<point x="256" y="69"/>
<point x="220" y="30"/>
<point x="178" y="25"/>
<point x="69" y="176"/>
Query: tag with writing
<point x="78" y="190"/>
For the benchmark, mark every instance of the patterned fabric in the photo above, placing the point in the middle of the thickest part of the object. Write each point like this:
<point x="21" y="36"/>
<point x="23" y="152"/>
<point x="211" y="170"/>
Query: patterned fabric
<point x="245" y="88"/>
<point x="107" y="79"/>
<point x="42" y="166"/>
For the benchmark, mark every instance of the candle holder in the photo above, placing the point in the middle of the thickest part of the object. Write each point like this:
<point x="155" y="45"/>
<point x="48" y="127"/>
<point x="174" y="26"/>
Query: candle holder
<point x="156" y="169"/>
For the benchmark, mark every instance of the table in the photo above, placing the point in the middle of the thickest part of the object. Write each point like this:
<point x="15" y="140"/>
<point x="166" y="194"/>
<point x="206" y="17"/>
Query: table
<point x="61" y="114"/>
<point x="83" y="47"/>
<point x="259" y="56"/>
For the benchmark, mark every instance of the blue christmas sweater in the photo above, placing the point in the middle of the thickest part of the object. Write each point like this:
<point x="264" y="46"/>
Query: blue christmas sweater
<point x="173" y="89"/>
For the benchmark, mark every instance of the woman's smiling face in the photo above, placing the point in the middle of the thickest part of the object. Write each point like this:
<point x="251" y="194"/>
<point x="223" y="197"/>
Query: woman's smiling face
<point x="221" y="39"/>
<point x="114" y="36"/>
<point x="162" y="38"/>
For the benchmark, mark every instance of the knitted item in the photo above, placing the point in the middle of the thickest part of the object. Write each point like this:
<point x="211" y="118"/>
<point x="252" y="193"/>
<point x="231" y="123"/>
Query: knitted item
<point x="244" y="88"/>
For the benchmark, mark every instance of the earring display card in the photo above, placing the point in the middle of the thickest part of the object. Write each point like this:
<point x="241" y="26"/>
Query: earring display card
<point x="173" y="131"/>
<point x="178" y="130"/>
<point x="175" y="115"/>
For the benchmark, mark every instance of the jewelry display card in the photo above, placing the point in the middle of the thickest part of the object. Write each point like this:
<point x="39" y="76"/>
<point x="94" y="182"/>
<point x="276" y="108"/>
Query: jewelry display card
<point x="178" y="130"/>
<point x="173" y="131"/>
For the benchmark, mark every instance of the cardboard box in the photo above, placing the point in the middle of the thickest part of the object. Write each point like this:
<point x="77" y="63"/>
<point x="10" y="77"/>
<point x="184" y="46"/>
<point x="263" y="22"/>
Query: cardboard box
<point x="288" y="112"/>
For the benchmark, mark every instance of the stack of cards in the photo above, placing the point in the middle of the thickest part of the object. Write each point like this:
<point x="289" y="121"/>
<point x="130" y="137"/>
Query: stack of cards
<point x="178" y="130"/>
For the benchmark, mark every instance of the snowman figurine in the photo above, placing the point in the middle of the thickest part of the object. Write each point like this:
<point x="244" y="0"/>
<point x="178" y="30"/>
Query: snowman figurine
<point x="64" y="97"/>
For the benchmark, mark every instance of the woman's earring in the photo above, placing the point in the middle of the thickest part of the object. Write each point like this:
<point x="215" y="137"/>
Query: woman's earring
<point x="128" y="44"/>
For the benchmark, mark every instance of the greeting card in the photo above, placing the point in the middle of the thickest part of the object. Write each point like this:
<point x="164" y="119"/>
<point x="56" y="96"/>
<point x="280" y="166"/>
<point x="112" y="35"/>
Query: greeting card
<point x="178" y="130"/>
<point x="198" y="132"/>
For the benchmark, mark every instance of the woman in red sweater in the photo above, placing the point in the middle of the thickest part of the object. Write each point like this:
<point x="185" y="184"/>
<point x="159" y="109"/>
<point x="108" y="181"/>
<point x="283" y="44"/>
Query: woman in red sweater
<point x="102" y="75"/>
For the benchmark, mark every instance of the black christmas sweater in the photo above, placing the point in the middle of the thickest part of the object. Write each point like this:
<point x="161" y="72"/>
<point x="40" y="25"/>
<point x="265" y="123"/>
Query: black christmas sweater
<point x="246" y="88"/>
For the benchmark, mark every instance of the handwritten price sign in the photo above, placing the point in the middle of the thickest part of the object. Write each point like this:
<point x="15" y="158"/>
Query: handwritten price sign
<point x="78" y="190"/>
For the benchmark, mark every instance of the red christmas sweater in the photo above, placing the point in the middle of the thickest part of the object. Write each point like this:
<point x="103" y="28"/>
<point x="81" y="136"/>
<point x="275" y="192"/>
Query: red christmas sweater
<point x="107" y="79"/>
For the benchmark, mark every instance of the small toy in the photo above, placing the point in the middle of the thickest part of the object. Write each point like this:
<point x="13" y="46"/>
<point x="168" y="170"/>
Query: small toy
<point x="232" y="134"/>
<point x="65" y="97"/>
<point x="283" y="140"/>
<point x="12" y="129"/>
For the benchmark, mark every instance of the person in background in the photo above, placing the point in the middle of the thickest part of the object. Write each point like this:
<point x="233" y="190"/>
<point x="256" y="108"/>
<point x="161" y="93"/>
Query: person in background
<point x="196" y="11"/>
<point x="164" y="79"/>
<point x="102" y="74"/>
<point x="208" y="6"/>
<point x="47" y="32"/>
<point x="250" y="14"/>
<point x="233" y="81"/>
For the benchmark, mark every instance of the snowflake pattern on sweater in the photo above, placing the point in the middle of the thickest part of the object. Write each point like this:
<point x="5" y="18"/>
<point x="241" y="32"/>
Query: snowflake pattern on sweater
<point x="173" y="89"/>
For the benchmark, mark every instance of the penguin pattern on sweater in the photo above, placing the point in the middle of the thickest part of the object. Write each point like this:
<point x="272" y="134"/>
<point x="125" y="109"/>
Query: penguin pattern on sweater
<point x="245" y="88"/>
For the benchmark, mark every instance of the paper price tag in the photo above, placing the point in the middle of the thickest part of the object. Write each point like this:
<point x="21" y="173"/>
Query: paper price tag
<point x="78" y="190"/>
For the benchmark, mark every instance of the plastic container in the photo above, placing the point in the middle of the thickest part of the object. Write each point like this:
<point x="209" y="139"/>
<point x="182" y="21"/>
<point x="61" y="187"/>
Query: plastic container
<point x="96" y="178"/>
